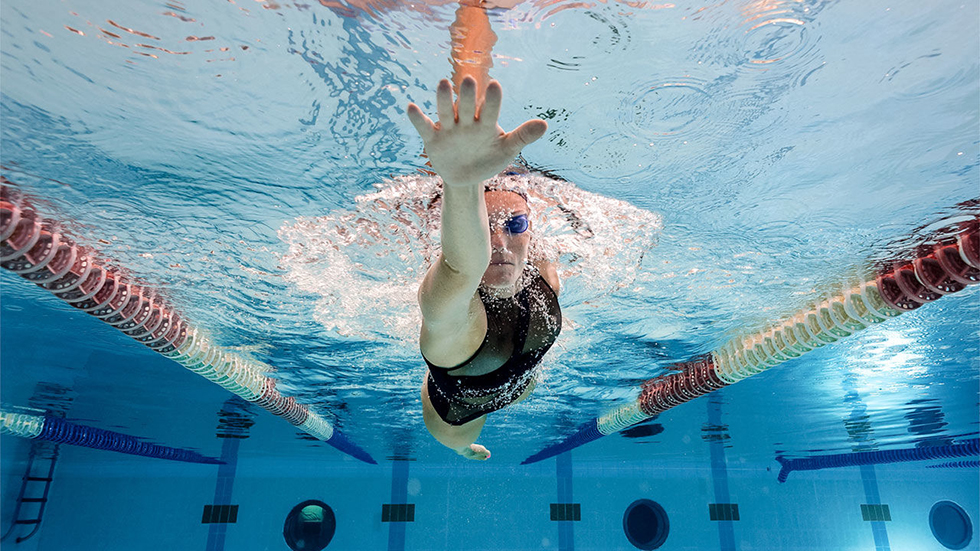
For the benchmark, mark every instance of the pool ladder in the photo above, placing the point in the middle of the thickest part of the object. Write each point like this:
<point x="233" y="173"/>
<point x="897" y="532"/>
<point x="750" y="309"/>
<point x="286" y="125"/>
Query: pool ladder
<point x="43" y="458"/>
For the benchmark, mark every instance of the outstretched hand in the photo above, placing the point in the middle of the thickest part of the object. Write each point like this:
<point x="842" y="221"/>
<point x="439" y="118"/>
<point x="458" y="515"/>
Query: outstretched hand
<point x="467" y="146"/>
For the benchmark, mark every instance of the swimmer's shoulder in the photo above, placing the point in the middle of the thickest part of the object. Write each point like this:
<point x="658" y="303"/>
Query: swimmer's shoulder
<point x="549" y="274"/>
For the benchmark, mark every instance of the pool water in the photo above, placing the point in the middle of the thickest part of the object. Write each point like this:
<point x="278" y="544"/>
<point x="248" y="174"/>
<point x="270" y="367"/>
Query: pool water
<point x="724" y="167"/>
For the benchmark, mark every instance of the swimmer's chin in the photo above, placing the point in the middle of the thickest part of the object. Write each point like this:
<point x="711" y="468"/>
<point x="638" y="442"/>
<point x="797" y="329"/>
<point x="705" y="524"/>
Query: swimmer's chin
<point x="501" y="276"/>
<point x="501" y="289"/>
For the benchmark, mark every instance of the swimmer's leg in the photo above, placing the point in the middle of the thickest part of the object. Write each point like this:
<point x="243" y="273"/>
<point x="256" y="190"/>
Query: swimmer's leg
<point x="461" y="439"/>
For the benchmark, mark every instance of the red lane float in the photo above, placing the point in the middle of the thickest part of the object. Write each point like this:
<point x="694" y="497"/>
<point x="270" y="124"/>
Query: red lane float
<point x="946" y="268"/>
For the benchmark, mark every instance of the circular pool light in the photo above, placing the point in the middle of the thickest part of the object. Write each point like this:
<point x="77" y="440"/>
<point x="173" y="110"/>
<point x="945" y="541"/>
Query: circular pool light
<point x="645" y="524"/>
<point x="950" y="525"/>
<point x="309" y="526"/>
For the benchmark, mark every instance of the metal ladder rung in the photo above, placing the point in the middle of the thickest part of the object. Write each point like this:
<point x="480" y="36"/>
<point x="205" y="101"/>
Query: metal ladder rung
<point x="40" y="452"/>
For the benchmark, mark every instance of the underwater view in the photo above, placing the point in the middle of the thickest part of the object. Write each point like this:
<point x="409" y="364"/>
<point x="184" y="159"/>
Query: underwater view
<point x="539" y="275"/>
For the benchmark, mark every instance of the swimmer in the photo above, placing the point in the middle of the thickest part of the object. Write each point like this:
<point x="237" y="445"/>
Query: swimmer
<point x="489" y="312"/>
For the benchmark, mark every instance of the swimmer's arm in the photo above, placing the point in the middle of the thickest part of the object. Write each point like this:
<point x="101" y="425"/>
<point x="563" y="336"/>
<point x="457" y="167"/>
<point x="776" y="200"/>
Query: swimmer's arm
<point x="449" y="287"/>
<point x="453" y="320"/>
<point x="465" y="148"/>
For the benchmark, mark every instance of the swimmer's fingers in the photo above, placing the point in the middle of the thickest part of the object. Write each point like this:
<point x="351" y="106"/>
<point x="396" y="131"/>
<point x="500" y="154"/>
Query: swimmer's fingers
<point x="466" y="107"/>
<point x="444" y="102"/>
<point x="525" y="134"/>
<point x="423" y="124"/>
<point x="490" y="111"/>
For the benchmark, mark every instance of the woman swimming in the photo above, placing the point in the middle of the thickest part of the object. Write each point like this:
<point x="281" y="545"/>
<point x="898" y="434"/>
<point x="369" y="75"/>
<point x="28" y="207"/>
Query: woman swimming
<point x="489" y="313"/>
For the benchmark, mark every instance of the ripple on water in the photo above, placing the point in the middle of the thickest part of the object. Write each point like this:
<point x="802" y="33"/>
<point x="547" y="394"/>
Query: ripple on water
<point x="762" y="58"/>
<point x="783" y="43"/>
<point x="770" y="39"/>
<point x="669" y="107"/>
<point x="671" y="119"/>
<point x="963" y="79"/>
<point x="582" y="41"/>
<point x="688" y="110"/>
<point x="771" y="35"/>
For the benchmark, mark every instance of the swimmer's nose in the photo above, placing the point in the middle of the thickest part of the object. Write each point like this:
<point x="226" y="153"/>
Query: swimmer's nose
<point x="498" y="238"/>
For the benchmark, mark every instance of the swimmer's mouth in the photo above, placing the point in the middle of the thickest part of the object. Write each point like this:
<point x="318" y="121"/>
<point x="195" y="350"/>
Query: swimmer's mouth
<point x="501" y="263"/>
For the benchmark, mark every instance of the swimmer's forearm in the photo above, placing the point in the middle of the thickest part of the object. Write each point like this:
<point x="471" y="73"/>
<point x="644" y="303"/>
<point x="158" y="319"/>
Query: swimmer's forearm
<point x="465" y="230"/>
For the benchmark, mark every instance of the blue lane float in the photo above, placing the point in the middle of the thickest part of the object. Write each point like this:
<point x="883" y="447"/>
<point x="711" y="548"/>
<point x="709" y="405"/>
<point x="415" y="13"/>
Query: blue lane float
<point x="343" y="444"/>
<point x="58" y="430"/>
<point x="585" y="434"/>
<point x="956" y="465"/>
<point x="968" y="448"/>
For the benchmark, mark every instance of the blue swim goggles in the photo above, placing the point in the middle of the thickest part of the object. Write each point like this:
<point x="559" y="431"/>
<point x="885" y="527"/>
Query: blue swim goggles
<point x="516" y="224"/>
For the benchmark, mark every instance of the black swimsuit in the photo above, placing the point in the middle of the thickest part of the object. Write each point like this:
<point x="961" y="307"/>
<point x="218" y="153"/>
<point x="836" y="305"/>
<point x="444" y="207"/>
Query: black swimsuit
<point x="521" y="329"/>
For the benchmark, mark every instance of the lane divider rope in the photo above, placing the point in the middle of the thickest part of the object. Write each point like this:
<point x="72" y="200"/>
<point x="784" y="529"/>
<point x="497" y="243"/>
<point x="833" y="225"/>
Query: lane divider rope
<point x="37" y="250"/>
<point x="54" y="429"/>
<point x="946" y="268"/>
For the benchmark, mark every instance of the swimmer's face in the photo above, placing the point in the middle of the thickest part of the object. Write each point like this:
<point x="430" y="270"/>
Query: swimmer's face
<point x="508" y="250"/>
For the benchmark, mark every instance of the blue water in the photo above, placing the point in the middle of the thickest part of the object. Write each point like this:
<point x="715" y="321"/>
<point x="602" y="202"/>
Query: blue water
<point x="775" y="148"/>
